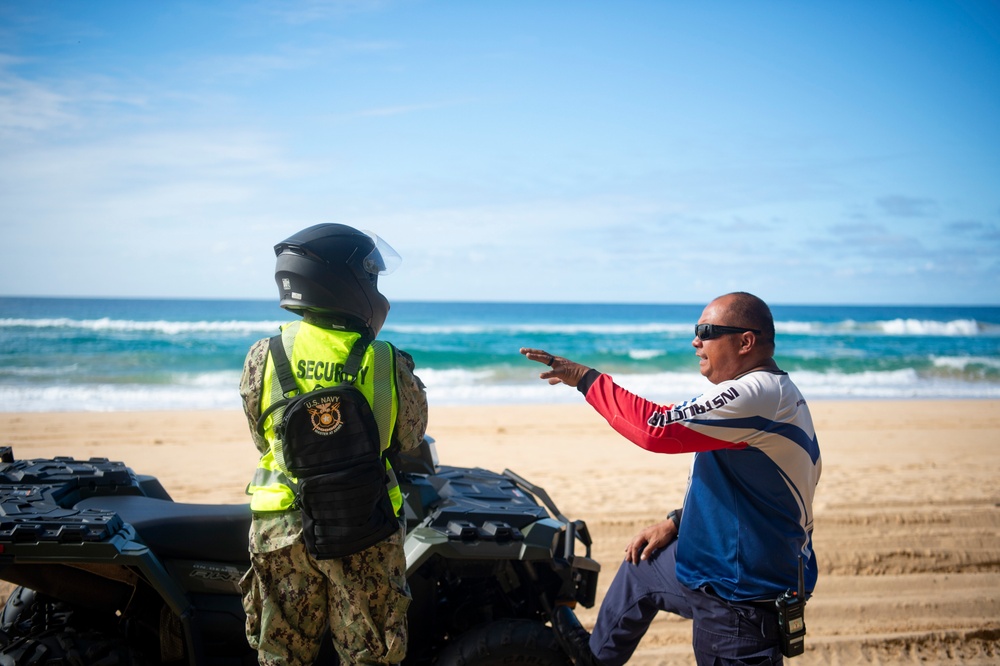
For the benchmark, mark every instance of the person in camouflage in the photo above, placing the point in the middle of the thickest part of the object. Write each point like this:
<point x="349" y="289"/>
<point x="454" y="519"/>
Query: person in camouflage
<point x="291" y="597"/>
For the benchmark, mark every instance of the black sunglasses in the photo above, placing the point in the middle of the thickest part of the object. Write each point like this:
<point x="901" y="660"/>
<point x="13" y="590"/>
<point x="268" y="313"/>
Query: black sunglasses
<point x="709" y="331"/>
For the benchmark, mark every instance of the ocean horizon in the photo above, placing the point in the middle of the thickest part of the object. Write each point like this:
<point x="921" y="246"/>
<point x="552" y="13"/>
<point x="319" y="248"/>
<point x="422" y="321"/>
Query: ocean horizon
<point x="126" y="354"/>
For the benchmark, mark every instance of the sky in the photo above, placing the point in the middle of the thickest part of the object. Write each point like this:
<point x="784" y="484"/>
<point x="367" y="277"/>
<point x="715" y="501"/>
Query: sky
<point x="644" y="152"/>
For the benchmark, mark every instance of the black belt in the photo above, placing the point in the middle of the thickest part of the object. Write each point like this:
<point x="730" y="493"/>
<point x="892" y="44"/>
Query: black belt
<point x="763" y="603"/>
<point x="767" y="604"/>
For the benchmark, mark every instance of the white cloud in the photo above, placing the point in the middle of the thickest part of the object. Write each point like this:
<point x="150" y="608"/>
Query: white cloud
<point x="27" y="105"/>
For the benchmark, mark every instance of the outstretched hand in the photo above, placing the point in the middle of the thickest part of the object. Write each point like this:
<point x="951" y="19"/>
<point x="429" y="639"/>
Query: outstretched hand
<point x="561" y="370"/>
<point x="651" y="539"/>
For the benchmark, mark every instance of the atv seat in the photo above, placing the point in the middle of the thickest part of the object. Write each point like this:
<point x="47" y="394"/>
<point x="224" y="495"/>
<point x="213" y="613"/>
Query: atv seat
<point x="174" y="530"/>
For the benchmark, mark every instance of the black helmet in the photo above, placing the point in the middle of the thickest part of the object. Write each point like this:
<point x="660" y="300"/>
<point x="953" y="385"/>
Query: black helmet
<point x="332" y="270"/>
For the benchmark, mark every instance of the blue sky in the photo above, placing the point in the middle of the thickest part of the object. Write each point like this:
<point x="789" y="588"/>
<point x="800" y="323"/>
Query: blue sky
<point x="809" y="152"/>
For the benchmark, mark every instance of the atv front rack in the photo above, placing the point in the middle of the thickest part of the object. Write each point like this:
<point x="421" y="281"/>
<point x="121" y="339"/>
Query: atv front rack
<point x="39" y="526"/>
<point x="476" y="514"/>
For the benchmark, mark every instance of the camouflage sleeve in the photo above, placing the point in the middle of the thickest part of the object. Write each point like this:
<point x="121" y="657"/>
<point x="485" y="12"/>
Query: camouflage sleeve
<point x="411" y="419"/>
<point x="251" y="386"/>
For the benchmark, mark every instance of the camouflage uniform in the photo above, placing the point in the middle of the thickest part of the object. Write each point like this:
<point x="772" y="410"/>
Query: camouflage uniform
<point x="290" y="598"/>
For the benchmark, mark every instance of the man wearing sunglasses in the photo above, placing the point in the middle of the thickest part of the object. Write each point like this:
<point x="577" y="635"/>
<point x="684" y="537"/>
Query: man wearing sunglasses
<point x="735" y="546"/>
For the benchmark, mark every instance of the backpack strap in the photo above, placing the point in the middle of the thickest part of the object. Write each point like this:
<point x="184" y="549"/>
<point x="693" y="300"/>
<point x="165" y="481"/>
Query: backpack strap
<point x="357" y="354"/>
<point x="282" y="366"/>
<point x="286" y="378"/>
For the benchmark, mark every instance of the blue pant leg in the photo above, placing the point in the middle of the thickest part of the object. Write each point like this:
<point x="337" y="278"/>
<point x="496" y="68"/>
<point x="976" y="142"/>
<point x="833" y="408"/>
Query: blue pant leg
<point x="730" y="633"/>
<point x="637" y="593"/>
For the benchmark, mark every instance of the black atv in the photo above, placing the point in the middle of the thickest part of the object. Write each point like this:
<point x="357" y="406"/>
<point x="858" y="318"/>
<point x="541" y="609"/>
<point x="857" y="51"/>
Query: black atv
<point x="110" y="570"/>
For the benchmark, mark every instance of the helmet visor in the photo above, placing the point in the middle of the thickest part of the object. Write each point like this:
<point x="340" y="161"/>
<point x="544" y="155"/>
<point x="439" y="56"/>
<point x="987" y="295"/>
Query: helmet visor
<point x="382" y="260"/>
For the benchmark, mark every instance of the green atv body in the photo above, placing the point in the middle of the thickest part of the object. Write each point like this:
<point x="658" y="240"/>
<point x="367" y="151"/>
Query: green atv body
<point x="110" y="570"/>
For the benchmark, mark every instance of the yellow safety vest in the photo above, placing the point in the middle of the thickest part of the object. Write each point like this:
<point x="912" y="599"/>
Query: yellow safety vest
<point x="317" y="358"/>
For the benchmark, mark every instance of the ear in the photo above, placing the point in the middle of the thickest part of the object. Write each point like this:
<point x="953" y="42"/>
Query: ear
<point x="748" y="342"/>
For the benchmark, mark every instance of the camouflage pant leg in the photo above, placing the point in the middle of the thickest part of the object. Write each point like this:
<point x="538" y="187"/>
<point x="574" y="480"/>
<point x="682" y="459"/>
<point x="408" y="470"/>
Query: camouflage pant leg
<point x="368" y="599"/>
<point x="285" y="602"/>
<point x="290" y="599"/>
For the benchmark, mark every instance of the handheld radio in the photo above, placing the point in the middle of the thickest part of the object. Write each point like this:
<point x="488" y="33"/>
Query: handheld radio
<point x="791" y="618"/>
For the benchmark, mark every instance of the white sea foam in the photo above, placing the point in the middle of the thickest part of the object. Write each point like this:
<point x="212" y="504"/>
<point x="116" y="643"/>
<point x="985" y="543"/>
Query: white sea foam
<point x="115" y="398"/>
<point x="645" y="354"/>
<point x="106" y="324"/>
<point x="669" y="387"/>
<point x="965" y="362"/>
<point x="897" y="384"/>
<point x="537" y="328"/>
<point x="31" y="372"/>
<point x="957" y="327"/>
<point x="462" y="387"/>
<point x="796" y="327"/>
<point x="899" y="327"/>
<point x="209" y="390"/>
<point x="895" y="327"/>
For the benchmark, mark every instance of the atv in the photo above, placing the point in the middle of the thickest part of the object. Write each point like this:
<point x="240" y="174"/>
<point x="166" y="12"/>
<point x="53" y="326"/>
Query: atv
<point x="110" y="570"/>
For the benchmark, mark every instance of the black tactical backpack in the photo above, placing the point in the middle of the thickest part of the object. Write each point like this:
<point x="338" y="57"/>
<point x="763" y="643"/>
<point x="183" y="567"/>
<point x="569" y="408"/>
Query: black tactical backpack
<point x="328" y="439"/>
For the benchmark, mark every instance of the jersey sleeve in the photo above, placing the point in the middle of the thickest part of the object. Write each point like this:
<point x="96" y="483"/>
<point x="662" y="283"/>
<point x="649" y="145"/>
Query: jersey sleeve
<point x="666" y="428"/>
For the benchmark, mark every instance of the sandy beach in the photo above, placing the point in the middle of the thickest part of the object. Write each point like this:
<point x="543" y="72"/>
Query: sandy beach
<point x="907" y="513"/>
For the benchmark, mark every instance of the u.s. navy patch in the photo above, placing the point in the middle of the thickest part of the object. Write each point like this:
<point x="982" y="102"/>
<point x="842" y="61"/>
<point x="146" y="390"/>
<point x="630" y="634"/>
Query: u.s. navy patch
<point x="325" y="414"/>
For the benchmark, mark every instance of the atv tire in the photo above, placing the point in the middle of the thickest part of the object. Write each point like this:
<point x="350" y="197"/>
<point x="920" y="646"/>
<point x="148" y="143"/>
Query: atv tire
<point x="504" y="642"/>
<point x="26" y="612"/>
<point x="15" y="609"/>
<point x="65" y="646"/>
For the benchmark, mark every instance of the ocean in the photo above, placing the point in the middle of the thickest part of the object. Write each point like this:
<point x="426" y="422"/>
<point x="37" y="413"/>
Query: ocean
<point x="74" y="354"/>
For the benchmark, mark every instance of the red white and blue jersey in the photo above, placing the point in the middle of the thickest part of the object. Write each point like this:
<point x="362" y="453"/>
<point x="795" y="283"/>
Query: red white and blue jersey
<point x="748" y="512"/>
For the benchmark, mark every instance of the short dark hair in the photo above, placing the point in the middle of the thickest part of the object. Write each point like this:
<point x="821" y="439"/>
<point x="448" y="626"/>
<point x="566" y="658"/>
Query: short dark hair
<point x="750" y="311"/>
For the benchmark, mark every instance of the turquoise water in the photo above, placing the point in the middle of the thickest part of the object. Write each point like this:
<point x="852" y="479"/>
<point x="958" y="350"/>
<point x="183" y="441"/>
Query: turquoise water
<point x="121" y="354"/>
